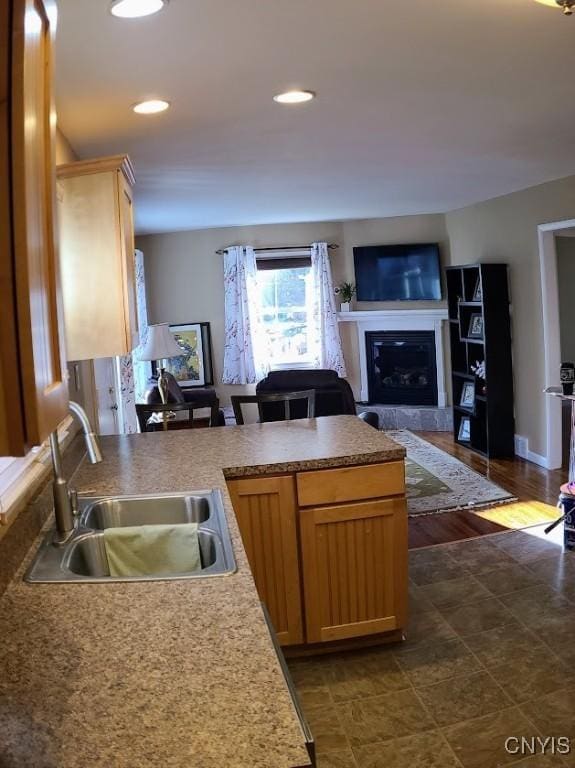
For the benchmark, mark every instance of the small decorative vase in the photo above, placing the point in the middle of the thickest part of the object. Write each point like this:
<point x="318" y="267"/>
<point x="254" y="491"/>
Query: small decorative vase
<point x="344" y="306"/>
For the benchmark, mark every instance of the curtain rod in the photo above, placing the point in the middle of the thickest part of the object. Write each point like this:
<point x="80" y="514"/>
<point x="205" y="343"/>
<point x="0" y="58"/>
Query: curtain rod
<point x="331" y="246"/>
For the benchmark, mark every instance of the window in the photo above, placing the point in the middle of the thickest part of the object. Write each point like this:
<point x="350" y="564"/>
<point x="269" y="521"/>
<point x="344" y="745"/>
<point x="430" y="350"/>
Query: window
<point x="284" y="299"/>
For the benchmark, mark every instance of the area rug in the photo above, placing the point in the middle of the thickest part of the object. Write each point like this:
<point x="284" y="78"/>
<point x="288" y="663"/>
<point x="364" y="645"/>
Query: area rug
<point x="437" y="482"/>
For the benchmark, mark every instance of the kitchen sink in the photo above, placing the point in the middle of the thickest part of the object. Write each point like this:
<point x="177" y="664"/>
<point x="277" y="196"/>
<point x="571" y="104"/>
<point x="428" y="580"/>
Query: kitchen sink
<point x="83" y="557"/>
<point x="86" y="555"/>
<point x="121" y="511"/>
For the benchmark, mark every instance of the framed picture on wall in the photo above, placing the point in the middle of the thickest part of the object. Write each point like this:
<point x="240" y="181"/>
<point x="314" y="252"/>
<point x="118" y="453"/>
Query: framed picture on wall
<point x="194" y="368"/>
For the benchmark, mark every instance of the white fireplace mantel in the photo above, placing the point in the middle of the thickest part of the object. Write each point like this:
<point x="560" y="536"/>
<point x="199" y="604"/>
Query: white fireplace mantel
<point x="399" y="320"/>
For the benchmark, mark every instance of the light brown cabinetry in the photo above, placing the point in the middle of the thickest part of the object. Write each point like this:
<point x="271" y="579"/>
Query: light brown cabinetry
<point x="33" y="389"/>
<point x="334" y="551"/>
<point x="266" y="511"/>
<point x="97" y="257"/>
<point x="332" y="486"/>
<point x="354" y="564"/>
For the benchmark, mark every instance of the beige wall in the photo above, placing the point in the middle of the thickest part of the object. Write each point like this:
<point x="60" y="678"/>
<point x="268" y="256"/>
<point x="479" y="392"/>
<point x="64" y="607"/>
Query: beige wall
<point x="64" y="152"/>
<point x="505" y="230"/>
<point x="566" y="277"/>
<point x="399" y="229"/>
<point x="184" y="275"/>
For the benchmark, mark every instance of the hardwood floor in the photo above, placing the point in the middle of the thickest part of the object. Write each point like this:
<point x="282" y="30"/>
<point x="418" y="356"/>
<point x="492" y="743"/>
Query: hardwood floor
<point x="536" y="489"/>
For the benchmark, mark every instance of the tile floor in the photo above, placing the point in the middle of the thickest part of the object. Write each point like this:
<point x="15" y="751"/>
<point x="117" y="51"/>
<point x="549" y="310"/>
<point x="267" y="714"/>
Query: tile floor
<point x="490" y="654"/>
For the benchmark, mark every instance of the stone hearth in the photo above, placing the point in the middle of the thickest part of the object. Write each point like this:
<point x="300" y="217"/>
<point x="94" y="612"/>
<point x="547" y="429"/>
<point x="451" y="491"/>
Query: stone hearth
<point x="415" y="418"/>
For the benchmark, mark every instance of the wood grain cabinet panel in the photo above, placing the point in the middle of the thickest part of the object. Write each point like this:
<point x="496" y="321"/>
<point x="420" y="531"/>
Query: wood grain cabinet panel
<point x="354" y="564"/>
<point x="266" y="512"/>
<point x="129" y="263"/>
<point x="33" y="384"/>
<point x="97" y="257"/>
<point x="349" y="558"/>
<point x="333" y="486"/>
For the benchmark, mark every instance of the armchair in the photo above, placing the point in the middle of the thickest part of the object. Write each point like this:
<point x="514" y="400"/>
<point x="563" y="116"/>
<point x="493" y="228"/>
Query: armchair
<point x="333" y="395"/>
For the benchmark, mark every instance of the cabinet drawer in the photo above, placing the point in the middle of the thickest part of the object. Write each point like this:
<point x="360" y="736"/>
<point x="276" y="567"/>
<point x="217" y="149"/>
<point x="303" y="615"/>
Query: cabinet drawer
<point x="331" y="486"/>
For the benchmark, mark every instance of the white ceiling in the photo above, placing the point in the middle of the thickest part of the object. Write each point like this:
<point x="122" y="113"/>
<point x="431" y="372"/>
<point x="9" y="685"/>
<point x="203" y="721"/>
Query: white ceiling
<point x="422" y="106"/>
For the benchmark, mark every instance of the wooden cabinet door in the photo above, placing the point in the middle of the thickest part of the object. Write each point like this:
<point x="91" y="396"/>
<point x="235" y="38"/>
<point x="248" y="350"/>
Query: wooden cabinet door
<point x="12" y="436"/>
<point x="97" y="257"/>
<point x="38" y="297"/>
<point x="30" y="271"/>
<point x="129" y="264"/>
<point x="354" y="560"/>
<point x="266" y="512"/>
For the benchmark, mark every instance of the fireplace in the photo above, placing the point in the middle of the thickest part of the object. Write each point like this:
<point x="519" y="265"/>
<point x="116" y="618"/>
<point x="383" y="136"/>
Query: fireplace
<point x="401" y="367"/>
<point x="401" y="321"/>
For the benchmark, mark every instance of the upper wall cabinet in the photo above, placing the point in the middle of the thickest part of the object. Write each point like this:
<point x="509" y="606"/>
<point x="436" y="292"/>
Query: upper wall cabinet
<point x="97" y="257"/>
<point x="33" y="388"/>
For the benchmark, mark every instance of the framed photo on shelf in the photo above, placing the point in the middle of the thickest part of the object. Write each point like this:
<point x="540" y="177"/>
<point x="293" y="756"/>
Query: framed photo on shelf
<point x="194" y="368"/>
<point x="464" y="430"/>
<point x="468" y="395"/>
<point x="475" y="326"/>
<point x="478" y="293"/>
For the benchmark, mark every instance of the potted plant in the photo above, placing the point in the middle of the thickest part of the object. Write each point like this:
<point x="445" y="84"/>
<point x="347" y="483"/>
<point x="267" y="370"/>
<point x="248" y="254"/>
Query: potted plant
<point x="346" y="292"/>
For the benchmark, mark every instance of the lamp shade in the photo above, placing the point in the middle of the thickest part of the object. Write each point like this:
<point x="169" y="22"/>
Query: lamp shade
<point x="160" y="344"/>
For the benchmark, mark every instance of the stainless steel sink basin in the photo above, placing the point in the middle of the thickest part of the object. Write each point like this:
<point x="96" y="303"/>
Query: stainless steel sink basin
<point x="86" y="555"/>
<point x="83" y="558"/>
<point x="121" y="511"/>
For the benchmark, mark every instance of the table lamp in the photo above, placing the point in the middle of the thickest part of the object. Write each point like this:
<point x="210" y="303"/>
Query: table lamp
<point x="161" y="345"/>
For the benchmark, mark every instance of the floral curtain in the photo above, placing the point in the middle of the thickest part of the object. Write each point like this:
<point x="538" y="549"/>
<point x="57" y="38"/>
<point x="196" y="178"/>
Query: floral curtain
<point x="324" y="341"/>
<point x="133" y="373"/>
<point x="142" y="369"/>
<point x="244" y="347"/>
<point x="128" y="423"/>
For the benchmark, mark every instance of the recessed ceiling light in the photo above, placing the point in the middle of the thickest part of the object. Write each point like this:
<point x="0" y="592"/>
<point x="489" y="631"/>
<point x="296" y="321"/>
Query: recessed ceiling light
<point x="132" y="9"/>
<point x="566" y="5"/>
<point x="151" y="107"/>
<point x="294" y="97"/>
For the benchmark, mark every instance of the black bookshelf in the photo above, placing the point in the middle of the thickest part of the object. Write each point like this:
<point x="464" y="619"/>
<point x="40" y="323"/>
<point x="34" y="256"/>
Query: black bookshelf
<point x="480" y="329"/>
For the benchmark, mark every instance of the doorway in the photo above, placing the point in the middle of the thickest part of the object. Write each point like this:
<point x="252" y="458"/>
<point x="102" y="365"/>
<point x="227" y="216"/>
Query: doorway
<point x="548" y="260"/>
<point x="108" y="395"/>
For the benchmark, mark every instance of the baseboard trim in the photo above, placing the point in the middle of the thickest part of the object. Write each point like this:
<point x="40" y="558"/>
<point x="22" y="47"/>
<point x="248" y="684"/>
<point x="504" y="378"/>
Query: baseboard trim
<point x="522" y="450"/>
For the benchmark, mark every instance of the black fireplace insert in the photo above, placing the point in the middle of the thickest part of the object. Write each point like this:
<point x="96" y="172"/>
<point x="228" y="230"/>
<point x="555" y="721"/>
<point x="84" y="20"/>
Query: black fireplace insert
<point x="401" y="367"/>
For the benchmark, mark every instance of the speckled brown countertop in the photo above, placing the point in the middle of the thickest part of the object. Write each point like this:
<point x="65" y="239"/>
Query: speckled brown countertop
<point x="175" y="674"/>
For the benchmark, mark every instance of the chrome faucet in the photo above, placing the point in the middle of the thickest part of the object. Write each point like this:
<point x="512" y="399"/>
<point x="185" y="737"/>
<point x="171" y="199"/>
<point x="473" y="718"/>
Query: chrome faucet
<point x="64" y="499"/>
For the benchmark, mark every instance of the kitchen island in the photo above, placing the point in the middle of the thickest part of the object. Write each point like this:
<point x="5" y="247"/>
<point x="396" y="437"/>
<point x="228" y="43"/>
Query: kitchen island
<point x="164" y="674"/>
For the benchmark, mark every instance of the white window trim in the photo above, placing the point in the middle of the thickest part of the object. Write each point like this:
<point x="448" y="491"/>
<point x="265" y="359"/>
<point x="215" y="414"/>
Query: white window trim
<point x="295" y="253"/>
<point x="300" y="364"/>
<point x="20" y="477"/>
<point x="291" y="254"/>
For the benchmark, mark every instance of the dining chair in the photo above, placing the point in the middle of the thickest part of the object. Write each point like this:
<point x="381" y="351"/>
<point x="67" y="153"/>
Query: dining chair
<point x="287" y="398"/>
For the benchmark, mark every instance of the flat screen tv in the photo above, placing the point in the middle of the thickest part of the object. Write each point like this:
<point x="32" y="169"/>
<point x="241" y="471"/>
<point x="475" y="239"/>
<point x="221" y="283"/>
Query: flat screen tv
<point x="398" y="272"/>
